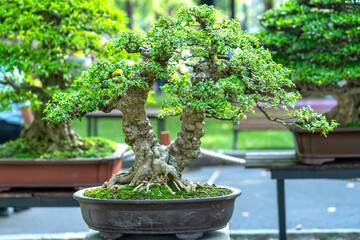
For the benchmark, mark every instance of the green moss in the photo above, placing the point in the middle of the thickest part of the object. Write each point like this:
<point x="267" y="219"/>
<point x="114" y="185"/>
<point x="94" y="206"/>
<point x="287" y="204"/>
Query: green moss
<point x="156" y="192"/>
<point x="93" y="147"/>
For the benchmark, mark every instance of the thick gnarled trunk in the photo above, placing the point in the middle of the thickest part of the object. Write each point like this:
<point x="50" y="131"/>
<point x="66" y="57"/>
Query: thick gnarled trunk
<point x="46" y="137"/>
<point x="155" y="163"/>
<point x="187" y="146"/>
<point x="347" y="111"/>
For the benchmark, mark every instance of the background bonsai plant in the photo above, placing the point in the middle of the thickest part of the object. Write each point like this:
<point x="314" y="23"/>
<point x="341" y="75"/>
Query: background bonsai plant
<point x="40" y="39"/>
<point x="320" y="42"/>
<point x="231" y="73"/>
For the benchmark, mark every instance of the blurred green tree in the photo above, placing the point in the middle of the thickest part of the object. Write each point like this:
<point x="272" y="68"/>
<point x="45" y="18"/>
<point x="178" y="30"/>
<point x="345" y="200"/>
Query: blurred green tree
<point x="320" y="41"/>
<point x="41" y="38"/>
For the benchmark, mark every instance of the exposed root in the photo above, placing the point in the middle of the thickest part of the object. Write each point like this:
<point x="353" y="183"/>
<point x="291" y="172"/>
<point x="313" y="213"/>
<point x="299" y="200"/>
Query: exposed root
<point x="168" y="187"/>
<point x="119" y="178"/>
<point x="179" y="183"/>
<point x="177" y="186"/>
<point x="186" y="184"/>
<point x="148" y="187"/>
<point x="138" y="187"/>
<point x="144" y="182"/>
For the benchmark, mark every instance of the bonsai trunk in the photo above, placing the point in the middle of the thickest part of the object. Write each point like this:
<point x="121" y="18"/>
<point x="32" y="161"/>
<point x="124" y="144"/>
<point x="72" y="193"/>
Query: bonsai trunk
<point x="155" y="163"/>
<point x="46" y="137"/>
<point x="347" y="110"/>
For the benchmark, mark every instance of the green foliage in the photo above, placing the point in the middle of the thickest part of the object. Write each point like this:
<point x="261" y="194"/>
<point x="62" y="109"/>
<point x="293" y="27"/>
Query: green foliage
<point x="103" y="81"/>
<point x="41" y="38"/>
<point x="93" y="147"/>
<point x="156" y="192"/>
<point x="232" y="72"/>
<point x="318" y="39"/>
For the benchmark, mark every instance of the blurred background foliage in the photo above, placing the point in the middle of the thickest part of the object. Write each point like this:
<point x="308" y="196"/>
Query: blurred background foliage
<point x="142" y="13"/>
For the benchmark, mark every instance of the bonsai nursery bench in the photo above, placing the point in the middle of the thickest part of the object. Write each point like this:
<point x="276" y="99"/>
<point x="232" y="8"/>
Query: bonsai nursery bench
<point x="258" y="121"/>
<point x="285" y="165"/>
<point x="38" y="197"/>
<point x="92" y="123"/>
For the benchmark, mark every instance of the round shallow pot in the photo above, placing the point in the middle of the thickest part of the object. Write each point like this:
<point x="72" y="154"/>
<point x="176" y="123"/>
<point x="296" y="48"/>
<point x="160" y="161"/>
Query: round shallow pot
<point x="187" y="218"/>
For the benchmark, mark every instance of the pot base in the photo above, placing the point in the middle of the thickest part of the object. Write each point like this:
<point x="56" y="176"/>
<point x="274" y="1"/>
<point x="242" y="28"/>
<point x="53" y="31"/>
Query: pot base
<point x="189" y="236"/>
<point x="222" y="234"/>
<point x="111" y="235"/>
<point x="186" y="218"/>
<point x="181" y="236"/>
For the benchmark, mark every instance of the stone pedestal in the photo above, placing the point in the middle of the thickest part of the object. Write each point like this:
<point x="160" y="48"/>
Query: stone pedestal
<point x="222" y="234"/>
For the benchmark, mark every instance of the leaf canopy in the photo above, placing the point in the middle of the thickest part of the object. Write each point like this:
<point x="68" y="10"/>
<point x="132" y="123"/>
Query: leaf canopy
<point x="42" y="38"/>
<point x="318" y="39"/>
<point x="230" y="72"/>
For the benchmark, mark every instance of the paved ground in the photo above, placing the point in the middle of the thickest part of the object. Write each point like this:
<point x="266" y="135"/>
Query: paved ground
<point x="311" y="204"/>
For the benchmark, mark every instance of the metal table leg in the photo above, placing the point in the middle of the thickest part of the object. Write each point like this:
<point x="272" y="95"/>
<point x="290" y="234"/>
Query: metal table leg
<point x="281" y="208"/>
<point x="89" y="127"/>
<point x="235" y="138"/>
<point x="96" y="127"/>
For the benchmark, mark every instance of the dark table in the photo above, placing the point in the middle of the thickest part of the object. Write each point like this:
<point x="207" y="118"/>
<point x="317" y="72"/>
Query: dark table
<point x="38" y="197"/>
<point x="285" y="165"/>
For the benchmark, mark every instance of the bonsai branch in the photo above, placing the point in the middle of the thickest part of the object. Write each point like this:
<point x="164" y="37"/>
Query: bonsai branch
<point x="18" y="86"/>
<point x="106" y="108"/>
<point x="275" y="119"/>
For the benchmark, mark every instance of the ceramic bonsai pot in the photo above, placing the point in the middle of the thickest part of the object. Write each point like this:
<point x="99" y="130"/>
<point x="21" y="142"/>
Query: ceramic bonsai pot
<point x="59" y="172"/>
<point x="314" y="148"/>
<point x="187" y="218"/>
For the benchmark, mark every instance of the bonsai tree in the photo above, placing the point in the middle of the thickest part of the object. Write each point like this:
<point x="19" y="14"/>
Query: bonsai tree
<point x="231" y="73"/>
<point x="40" y="39"/>
<point x="319" y="41"/>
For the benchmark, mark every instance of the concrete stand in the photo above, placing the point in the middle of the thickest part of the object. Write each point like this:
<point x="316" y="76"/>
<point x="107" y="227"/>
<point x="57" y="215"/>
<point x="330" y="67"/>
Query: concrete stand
<point x="222" y="234"/>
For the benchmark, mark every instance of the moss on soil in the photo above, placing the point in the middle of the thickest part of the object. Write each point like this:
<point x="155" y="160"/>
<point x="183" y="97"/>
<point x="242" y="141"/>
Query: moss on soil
<point x="93" y="147"/>
<point x="156" y="192"/>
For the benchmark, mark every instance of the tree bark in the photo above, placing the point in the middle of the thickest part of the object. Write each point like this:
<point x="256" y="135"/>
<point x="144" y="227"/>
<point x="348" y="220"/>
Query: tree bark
<point x="187" y="145"/>
<point x="207" y="2"/>
<point x="130" y="12"/>
<point x="268" y="4"/>
<point x="46" y="137"/>
<point x="232" y="8"/>
<point x="347" y="111"/>
<point x="245" y="14"/>
<point x="155" y="163"/>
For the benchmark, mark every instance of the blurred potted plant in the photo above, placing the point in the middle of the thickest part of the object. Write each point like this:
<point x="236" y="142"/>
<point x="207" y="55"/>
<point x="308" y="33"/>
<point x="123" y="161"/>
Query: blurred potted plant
<point x="319" y="41"/>
<point x="42" y="39"/>
<point x="231" y="75"/>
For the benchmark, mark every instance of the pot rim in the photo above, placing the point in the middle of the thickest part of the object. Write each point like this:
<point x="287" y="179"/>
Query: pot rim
<point x="79" y="195"/>
<point x="119" y="152"/>
<point x="296" y="129"/>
